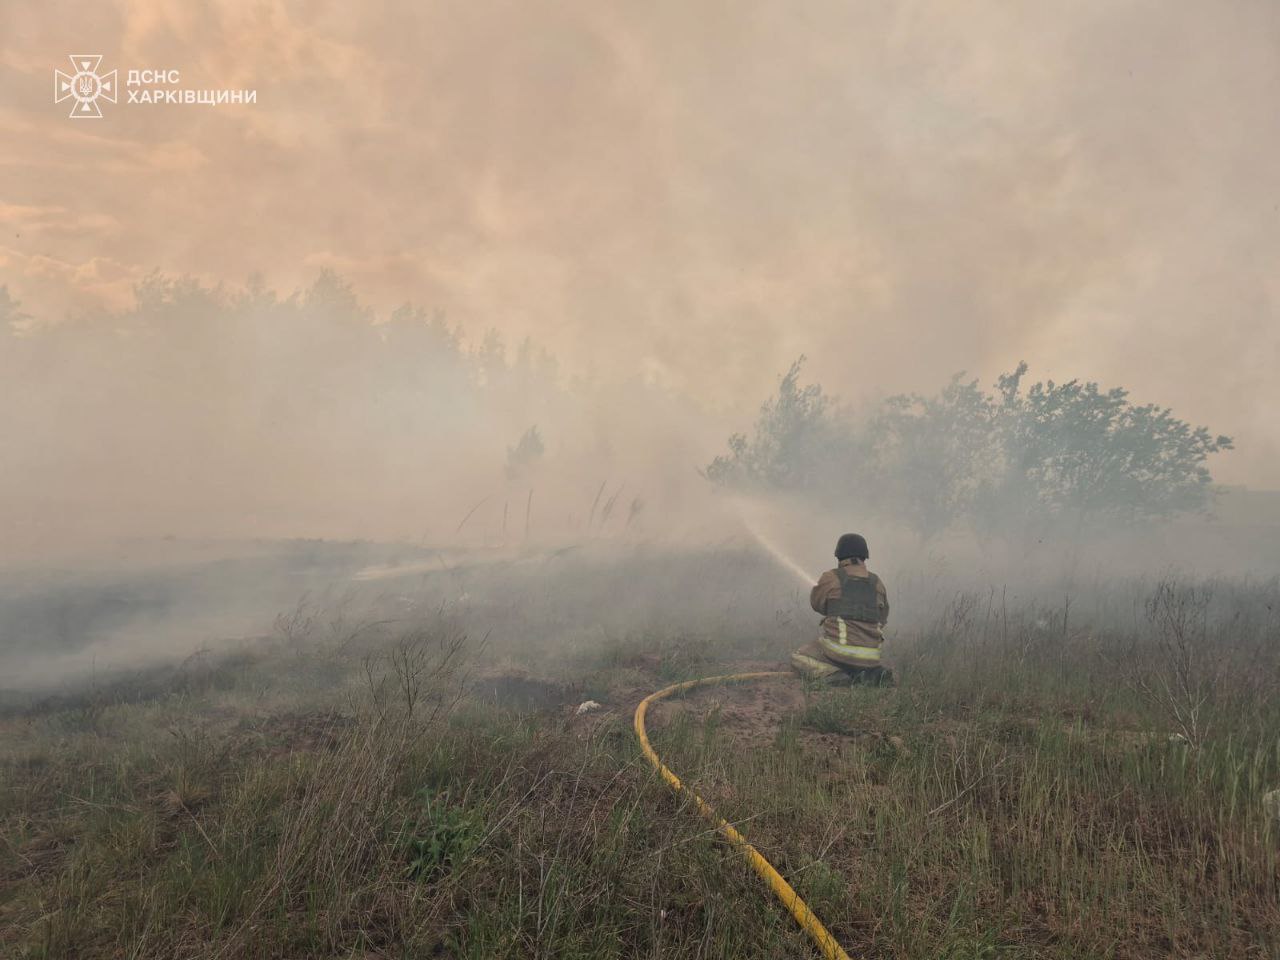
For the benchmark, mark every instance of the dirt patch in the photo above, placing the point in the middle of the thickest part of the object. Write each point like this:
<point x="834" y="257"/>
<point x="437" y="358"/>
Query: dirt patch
<point x="752" y="714"/>
<point x="749" y="713"/>
<point x="521" y="692"/>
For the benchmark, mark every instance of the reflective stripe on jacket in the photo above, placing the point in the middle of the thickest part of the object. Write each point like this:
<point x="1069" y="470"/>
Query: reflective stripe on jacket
<point x="854" y="642"/>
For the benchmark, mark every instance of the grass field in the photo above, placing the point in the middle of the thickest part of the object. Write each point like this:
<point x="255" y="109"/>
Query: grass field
<point x="1079" y="781"/>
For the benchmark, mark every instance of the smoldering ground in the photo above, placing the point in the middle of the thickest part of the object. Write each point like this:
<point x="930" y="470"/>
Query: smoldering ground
<point x="427" y="470"/>
<point x="553" y="607"/>
<point x="654" y="212"/>
<point x="397" y="718"/>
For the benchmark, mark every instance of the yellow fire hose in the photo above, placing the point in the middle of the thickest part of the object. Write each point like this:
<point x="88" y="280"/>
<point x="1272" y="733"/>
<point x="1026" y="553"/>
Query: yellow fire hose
<point x="790" y="899"/>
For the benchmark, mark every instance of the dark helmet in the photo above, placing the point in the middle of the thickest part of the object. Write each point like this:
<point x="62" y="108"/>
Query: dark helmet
<point x="852" y="546"/>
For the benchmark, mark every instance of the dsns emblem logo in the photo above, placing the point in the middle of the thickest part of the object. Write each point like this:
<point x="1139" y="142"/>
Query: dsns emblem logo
<point x="85" y="86"/>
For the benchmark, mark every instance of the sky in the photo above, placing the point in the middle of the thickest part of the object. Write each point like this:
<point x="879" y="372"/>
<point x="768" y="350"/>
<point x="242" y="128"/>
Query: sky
<point x="695" y="193"/>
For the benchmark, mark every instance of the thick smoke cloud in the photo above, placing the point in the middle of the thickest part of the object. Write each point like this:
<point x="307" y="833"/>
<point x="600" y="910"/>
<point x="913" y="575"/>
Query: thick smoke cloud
<point x="674" y="200"/>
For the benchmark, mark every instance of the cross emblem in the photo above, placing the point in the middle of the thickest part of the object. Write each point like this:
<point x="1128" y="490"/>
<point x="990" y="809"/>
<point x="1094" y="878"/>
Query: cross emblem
<point x="84" y="86"/>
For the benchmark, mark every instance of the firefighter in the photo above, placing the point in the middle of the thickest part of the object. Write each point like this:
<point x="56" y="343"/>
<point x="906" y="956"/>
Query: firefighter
<point x="855" y="607"/>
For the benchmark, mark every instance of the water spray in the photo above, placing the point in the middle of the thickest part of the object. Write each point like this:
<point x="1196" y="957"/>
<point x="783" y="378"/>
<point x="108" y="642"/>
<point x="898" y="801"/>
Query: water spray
<point x="778" y="554"/>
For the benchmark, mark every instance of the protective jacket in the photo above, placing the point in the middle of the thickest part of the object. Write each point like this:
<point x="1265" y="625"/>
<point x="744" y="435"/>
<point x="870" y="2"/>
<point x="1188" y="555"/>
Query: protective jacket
<point x="854" y="606"/>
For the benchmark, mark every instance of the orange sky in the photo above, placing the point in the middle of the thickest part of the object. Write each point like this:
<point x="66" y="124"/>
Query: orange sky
<point x="698" y="192"/>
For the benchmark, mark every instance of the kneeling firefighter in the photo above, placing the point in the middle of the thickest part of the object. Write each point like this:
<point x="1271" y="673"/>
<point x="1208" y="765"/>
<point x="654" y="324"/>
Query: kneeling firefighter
<point x="855" y="607"/>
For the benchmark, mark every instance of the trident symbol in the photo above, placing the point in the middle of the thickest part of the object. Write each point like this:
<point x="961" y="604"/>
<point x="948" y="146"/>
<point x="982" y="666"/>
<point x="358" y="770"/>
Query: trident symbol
<point x="84" y="86"/>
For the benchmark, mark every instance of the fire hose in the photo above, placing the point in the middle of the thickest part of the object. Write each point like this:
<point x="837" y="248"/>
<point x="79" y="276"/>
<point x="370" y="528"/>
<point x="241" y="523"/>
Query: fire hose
<point x="784" y="891"/>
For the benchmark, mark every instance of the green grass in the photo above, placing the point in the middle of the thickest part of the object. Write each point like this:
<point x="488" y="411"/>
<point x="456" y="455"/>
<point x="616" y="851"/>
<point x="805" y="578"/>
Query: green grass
<point x="1015" y="796"/>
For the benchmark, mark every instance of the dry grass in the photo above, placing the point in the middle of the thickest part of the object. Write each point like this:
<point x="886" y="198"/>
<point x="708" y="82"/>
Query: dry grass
<point x="1016" y="796"/>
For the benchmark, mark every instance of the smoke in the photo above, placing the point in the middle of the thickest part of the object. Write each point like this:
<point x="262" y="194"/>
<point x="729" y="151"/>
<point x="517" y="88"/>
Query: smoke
<point x="233" y="413"/>
<point x="620" y="224"/>
<point x="786" y="562"/>
<point x="691" y="196"/>
<point x="745" y="510"/>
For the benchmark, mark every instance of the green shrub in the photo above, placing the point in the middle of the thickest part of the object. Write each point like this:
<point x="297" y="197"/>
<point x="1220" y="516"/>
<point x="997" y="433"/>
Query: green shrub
<point x="442" y="835"/>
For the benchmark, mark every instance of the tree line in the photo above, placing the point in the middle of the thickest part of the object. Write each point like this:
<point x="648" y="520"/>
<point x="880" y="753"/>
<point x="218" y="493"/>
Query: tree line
<point x="1005" y="459"/>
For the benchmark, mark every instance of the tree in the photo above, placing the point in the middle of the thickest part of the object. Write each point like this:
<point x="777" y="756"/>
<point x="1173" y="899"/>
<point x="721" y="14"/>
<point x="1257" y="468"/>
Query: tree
<point x="1006" y="460"/>
<point x="795" y="435"/>
<point x="525" y="455"/>
<point x="933" y="456"/>
<point x="11" y="315"/>
<point x="1073" y="448"/>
